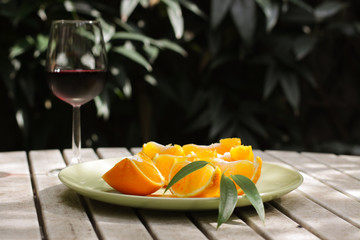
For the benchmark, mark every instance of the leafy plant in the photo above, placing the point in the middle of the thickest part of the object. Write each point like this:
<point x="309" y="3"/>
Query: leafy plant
<point x="279" y="73"/>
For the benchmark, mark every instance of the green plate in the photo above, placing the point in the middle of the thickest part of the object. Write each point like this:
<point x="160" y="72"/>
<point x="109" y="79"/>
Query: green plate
<point x="85" y="178"/>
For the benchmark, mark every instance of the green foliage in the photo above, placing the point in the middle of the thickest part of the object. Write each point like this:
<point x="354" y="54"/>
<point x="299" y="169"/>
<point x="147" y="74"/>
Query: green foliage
<point x="278" y="73"/>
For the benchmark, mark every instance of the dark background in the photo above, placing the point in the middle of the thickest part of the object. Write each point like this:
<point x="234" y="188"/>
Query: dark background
<point x="278" y="74"/>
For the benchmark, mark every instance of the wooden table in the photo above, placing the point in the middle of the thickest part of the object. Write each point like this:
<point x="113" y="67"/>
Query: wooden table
<point x="34" y="205"/>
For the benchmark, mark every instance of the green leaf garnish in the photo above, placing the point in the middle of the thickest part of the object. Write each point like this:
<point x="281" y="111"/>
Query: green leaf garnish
<point x="191" y="167"/>
<point x="228" y="191"/>
<point x="251" y="193"/>
<point x="228" y="199"/>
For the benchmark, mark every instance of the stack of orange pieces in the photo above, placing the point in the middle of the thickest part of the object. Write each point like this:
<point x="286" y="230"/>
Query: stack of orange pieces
<point x="157" y="164"/>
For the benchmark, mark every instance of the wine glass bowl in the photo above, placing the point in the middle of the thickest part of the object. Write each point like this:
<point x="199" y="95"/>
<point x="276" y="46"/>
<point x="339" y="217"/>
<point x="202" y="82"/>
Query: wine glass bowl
<point x="76" y="67"/>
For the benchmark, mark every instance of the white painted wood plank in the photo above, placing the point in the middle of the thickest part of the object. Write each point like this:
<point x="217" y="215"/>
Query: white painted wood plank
<point x="315" y="218"/>
<point x="112" y="221"/>
<point x="331" y="199"/>
<point x="312" y="216"/>
<point x="336" y="179"/>
<point x="232" y="229"/>
<point x="277" y="225"/>
<point x="87" y="154"/>
<point x="62" y="212"/>
<point x="352" y="158"/>
<point x="13" y="163"/>
<point x="336" y="202"/>
<point x="170" y="225"/>
<point x="351" y="168"/>
<point x="18" y="218"/>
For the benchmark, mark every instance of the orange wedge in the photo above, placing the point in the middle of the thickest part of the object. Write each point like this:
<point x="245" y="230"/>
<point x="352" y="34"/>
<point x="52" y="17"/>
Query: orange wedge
<point x="221" y="147"/>
<point x="204" y="182"/>
<point x="242" y="153"/>
<point x="257" y="173"/>
<point x="153" y="148"/>
<point x="226" y="145"/>
<point x="249" y="169"/>
<point x="135" y="175"/>
<point x="165" y="162"/>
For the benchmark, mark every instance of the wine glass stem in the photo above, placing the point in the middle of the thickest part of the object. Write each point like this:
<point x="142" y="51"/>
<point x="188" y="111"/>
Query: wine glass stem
<point x="76" y="135"/>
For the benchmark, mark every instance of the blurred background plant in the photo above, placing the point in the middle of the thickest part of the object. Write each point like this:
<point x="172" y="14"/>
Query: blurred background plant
<point x="280" y="74"/>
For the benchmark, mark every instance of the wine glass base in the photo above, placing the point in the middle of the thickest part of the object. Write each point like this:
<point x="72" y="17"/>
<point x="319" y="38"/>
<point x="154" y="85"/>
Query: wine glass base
<point x="54" y="172"/>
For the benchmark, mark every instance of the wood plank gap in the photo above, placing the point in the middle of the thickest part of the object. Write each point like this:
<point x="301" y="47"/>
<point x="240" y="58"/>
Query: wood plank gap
<point x="36" y="200"/>
<point x="277" y="225"/>
<point x="294" y="218"/>
<point x="85" y="205"/>
<point x="83" y="202"/>
<point x="326" y="196"/>
<point x="198" y="225"/>
<point x="335" y="185"/>
<point x="318" y="157"/>
<point x="248" y="222"/>
<point x="336" y="202"/>
<point x="146" y="225"/>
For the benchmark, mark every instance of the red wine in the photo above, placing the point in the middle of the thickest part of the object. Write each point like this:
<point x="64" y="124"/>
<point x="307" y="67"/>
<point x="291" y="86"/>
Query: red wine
<point x="76" y="87"/>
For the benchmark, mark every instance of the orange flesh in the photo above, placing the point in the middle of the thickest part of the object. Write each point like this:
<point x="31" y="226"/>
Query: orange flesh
<point x="193" y="184"/>
<point x="134" y="175"/>
<point x="151" y="169"/>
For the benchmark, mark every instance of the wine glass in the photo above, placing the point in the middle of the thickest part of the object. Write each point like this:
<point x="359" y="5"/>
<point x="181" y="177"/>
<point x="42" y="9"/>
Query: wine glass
<point x="76" y="68"/>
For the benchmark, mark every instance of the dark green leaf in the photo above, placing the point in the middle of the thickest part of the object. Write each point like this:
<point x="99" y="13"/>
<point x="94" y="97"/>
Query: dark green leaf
<point x="108" y="30"/>
<point x="219" y="125"/>
<point x="272" y="19"/>
<point x="144" y="3"/>
<point x="291" y="88"/>
<point x="251" y="193"/>
<point x="271" y="12"/>
<point x="133" y="55"/>
<point x="175" y="16"/>
<point x="218" y="11"/>
<point x="102" y="106"/>
<point x="328" y="9"/>
<point x="41" y="42"/>
<point x="271" y="80"/>
<point x="244" y="15"/>
<point x="253" y="124"/>
<point x="126" y="26"/>
<point x="303" y="45"/>
<point x="265" y="5"/>
<point x="164" y="43"/>
<point x="228" y="199"/>
<point x="306" y="74"/>
<point x="302" y="4"/>
<point x="21" y="47"/>
<point x="193" y="7"/>
<point x="133" y="36"/>
<point x="127" y="7"/>
<point x="191" y="167"/>
<point x="151" y="51"/>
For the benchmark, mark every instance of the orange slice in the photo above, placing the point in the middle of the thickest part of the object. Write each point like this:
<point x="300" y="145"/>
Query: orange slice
<point x="165" y="162"/>
<point x="135" y="175"/>
<point x="242" y="153"/>
<point x="246" y="168"/>
<point x="226" y="145"/>
<point x="196" y="149"/>
<point x="153" y="148"/>
<point x="258" y="166"/>
<point x="204" y="182"/>
<point x="222" y="147"/>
